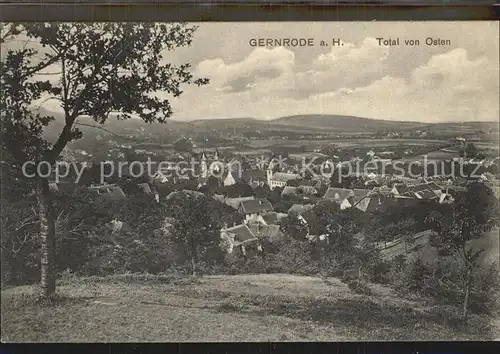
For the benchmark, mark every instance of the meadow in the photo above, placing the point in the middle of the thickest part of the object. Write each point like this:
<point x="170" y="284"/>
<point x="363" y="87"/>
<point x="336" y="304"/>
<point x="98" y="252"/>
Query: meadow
<point x="264" y="307"/>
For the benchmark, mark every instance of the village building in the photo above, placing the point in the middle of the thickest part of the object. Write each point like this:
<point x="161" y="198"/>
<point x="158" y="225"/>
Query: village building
<point x="184" y="193"/>
<point x="107" y="191"/>
<point x="340" y="196"/>
<point x="280" y="179"/>
<point x="254" y="209"/>
<point x="234" y="202"/>
<point x="302" y="190"/>
<point x="359" y="195"/>
<point x="269" y="233"/>
<point x="240" y="239"/>
<point x="369" y="204"/>
<point x="299" y="209"/>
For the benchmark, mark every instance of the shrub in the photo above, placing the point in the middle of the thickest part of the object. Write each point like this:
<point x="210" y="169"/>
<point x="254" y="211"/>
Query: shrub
<point x="412" y="280"/>
<point x="359" y="287"/>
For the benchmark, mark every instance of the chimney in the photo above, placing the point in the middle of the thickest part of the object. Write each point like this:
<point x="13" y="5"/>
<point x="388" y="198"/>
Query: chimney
<point x="260" y="202"/>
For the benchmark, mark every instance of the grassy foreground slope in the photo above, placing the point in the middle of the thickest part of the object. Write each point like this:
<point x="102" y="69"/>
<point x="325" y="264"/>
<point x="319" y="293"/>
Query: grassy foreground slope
<point x="226" y="308"/>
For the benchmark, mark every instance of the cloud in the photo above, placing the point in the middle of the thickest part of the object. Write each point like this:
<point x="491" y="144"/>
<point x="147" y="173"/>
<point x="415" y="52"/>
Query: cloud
<point x="261" y="65"/>
<point x="449" y="86"/>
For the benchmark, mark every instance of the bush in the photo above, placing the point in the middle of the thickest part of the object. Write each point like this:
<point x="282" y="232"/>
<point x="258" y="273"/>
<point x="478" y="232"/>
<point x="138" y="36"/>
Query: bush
<point x="359" y="287"/>
<point x="412" y="280"/>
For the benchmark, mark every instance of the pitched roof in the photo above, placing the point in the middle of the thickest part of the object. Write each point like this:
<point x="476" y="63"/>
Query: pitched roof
<point x="299" y="209"/>
<point x="241" y="233"/>
<point x="360" y="194"/>
<point x="255" y="206"/>
<point x="290" y="190"/>
<point x="271" y="232"/>
<point x="338" y="193"/>
<point x="434" y="186"/>
<point x="307" y="189"/>
<point x="185" y="192"/>
<point x="369" y="205"/>
<point x="108" y="190"/>
<point x="426" y="194"/>
<point x="285" y="177"/>
<point x="271" y="218"/>
<point x="235" y="202"/>
<point x="420" y="187"/>
<point x="401" y="188"/>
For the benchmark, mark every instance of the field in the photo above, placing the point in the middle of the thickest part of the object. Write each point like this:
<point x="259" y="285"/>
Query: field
<point x="345" y="143"/>
<point x="273" y="307"/>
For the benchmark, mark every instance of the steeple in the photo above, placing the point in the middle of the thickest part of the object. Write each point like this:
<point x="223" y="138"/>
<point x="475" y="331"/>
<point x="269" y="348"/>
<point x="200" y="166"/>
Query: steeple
<point x="204" y="167"/>
<point x="216" y="156"/>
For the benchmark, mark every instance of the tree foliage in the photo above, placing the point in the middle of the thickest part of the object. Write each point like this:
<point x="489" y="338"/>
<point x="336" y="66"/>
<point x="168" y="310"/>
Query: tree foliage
<point x="99" y="69"/>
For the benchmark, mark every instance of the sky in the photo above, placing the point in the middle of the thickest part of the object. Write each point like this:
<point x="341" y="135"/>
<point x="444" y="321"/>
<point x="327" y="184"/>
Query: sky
<point x="459" y="82"/>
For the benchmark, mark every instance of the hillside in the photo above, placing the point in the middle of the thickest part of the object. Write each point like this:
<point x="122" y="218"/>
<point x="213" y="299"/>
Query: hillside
<point x="264" y="307"/>
<point x="300" y="124"/>
<point x="490" y="243"/>
<point x="345" y="123"/>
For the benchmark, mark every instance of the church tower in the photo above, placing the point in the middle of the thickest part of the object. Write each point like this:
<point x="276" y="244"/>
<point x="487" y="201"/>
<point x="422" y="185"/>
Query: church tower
<point x="269" y="173"/>
<point x="204" y="167"/>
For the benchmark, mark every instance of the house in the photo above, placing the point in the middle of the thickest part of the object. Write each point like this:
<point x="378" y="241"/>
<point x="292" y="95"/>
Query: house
<point x="280" y="179"/>
<point x="398" y="202"/>
<point x="382" y="190"/>
<point x="235" y="202"/>
<point x="254" y="207"/>
<point x="426" y="190"/>
<point x="446" y="198"/>
<point x="239" y="238"/>
<point x="184" y="193"/>
<point x="308" y="190"/>
<point x="340" y="196"/>
<point x="427" y="194"/>
<point x="269" y="233"/>
<point x="254" y="177"/>
<point x="108" y="191"/>
<point x="273" y="218"/>
<point x="302" y="190"/>
<point x="400" y="189"/>
<point x="369" y="204"/>
<point x="299" y="209"/>
<point x="289" y="191"/>
<point x="359" y="195"/>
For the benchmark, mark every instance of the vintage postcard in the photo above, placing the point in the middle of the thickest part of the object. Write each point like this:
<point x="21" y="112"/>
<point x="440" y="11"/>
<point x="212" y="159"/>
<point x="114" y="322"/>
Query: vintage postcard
<point x="250" y="181"/>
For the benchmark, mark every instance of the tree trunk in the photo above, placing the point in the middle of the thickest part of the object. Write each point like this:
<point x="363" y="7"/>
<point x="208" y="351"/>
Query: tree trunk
<point x="468" y="284"/>
<point x="193" y="260"/>
<point x="47" y="237"/>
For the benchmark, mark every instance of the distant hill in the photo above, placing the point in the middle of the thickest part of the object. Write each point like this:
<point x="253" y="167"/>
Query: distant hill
<point x="344" y="123"/>
<point x="138" y="130"/>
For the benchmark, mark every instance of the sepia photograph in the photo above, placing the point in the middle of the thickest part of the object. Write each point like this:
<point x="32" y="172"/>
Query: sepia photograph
<point x="250" y="181"/>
